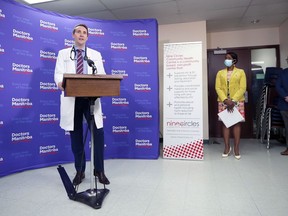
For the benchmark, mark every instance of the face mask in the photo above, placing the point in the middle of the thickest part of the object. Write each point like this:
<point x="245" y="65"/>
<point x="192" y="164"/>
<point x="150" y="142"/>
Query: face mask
<point x="228" y="62"/>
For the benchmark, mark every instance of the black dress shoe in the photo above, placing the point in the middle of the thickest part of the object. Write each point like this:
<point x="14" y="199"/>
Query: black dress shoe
<point x="285" y="152"/>
<point x="101" y="177"/>
<point x="78" y="178"/>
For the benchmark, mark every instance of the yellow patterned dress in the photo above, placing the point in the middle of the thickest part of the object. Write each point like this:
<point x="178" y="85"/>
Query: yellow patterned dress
<point x="239" y="105"/>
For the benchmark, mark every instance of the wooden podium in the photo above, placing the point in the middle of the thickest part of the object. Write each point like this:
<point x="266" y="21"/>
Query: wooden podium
<point x="84" y="85"/>
<point x="91" y="87"/>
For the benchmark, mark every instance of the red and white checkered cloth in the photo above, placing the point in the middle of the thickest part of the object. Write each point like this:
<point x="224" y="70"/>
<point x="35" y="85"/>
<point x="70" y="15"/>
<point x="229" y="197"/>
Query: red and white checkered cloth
<point x="193" y="150"/>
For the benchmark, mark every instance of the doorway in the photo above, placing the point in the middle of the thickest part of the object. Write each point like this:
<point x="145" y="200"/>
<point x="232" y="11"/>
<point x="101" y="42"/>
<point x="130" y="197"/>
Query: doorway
<point x="247" y="57"/>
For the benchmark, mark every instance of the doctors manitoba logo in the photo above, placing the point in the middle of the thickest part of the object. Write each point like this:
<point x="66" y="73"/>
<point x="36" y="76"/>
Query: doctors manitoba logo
<point x="21" y="137"/>
<point x="143" y="115"/>
<point x="21" y="103"/>
<point x="21" y="68"/>
<point x="141" y="60"/>
<point x="119" y="72"/>
<point x="48" y="118"/>
<point x="22" y="35"/>
<point x="2" y="50"/>
<point x="68" y="43"/>
<point x="141" y="33"/>
<point x="96" y="32"/>
<point x="48" y="87"/>
<point x="120" y="102"/>
<point x="49" y="149"/>
<point x="143" y="87"/>
<point x="118" y="46"/>
<point x="120" y="130"/>
<point x="48" y="26"/>
<point x="2" y="15"/>
<point x="47" y="55"/>
<point x="143" y="143"/>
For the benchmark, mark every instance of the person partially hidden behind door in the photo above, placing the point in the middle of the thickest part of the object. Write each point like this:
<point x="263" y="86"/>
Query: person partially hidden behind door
<point x="230" y="86"/>
<point x="282" y="89"/>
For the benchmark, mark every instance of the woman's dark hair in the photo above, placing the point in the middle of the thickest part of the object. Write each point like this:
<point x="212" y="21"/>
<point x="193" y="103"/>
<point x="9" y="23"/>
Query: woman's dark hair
<point x="234" y="56"/>
<point x="83" y="25"/>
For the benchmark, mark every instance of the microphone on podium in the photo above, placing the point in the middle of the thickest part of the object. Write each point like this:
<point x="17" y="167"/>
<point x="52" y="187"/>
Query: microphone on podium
<point x="91" y="64"/>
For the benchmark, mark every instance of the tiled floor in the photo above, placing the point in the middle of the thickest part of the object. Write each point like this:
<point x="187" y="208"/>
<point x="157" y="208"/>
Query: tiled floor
<point x="253" y="186"/>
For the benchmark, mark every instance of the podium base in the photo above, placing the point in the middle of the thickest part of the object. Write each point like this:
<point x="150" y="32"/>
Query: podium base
<point x="93" y="198"/>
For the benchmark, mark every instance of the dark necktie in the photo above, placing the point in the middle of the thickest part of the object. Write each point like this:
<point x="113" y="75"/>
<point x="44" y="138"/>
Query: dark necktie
<point x="79" y="69"/>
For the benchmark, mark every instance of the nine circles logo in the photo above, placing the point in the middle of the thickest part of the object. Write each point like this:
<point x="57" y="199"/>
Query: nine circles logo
<point x="184" y="123"/>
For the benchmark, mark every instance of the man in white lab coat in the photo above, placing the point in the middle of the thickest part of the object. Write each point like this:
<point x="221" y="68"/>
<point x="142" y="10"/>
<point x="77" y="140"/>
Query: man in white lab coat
<point x="73" y="109"/>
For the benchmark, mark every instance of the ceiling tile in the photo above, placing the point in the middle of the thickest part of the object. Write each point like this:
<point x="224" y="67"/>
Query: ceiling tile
<point x="268" y="9"/>
<point x="220" y="14"/>
<point x="148" y="11"/>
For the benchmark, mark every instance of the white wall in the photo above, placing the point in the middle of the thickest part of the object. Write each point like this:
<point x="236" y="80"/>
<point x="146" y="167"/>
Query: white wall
<point x="284" y="44"/>
<point x="244" y="38"/>
<point x="185" y="32"/>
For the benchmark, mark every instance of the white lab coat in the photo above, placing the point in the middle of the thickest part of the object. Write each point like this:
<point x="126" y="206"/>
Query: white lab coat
<point x="65" y="65"/>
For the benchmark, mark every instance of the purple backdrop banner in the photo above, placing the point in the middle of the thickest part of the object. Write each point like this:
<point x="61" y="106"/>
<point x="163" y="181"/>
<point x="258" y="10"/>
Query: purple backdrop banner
<point x="30" y="136"/>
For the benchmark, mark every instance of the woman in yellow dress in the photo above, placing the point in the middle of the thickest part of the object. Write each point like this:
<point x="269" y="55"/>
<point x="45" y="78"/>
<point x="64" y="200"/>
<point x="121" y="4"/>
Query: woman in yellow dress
<point x="230" y="86"/>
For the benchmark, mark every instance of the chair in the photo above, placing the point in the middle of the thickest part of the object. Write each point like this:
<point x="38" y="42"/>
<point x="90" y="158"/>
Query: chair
<point x="260" y="110"/>
<point x="272" y="117"/>
<point x="271" y="75"/>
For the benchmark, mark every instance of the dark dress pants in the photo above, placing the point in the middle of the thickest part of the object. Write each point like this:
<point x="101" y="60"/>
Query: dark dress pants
<point x="284" y="114"/>
<point x="82" y="107"/>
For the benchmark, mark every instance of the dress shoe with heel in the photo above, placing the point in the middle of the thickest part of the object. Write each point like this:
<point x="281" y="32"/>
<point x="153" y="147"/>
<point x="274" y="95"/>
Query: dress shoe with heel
<point x="226" y="155"/>
<point x="78" y="178"/>
<point x="101" y="177"/>
<point x="238" y="157"/>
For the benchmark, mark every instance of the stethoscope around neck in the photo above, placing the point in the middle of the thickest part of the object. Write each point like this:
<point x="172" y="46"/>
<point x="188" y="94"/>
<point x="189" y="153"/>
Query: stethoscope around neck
<point x="73" y="57"/>
<point x="73" y="54"/>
